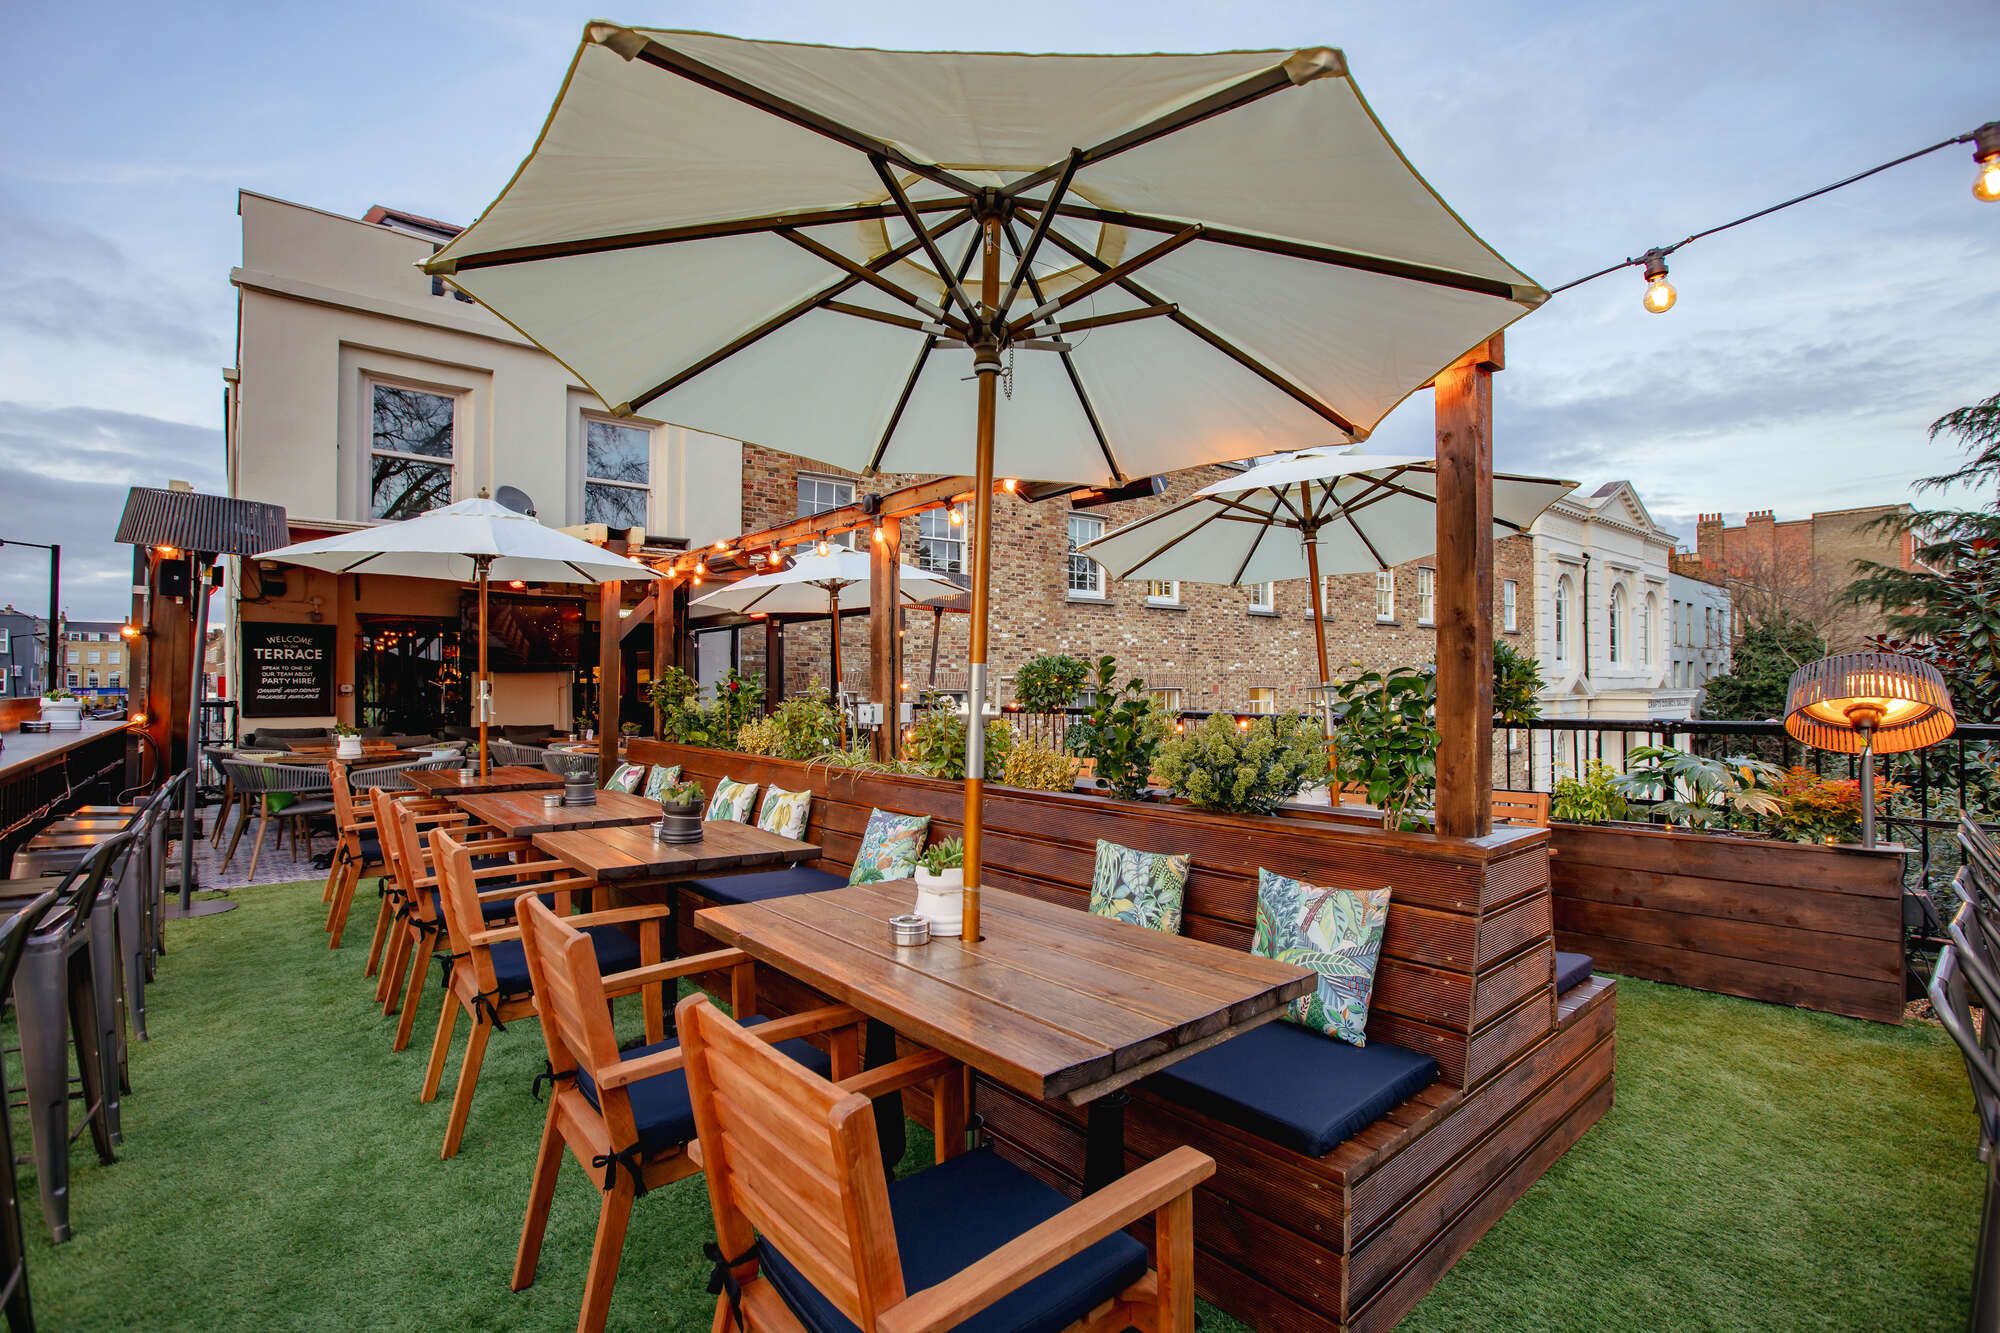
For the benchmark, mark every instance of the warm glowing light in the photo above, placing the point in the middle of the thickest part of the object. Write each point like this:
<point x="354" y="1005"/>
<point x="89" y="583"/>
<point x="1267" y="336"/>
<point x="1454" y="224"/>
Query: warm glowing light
<point x="880" y="536"/>
<point x="722" y="546"/>
<point x="903" y="685"/>
<point x="1010" y="485"/>
<point x="823" y="548"/>
<point x="128" y="631"/>
<point x="1243" y="724"/>
<point x="1987" y="187"/>
<point x="1660" y="296"/>
<point x="957" y="516"/>
<point x="777" y="556"/>
<point x="139" y="719"/>
<point x="517" y="584"/>
<point x="697" y="578"/>
<point x="167" y="552"/>
<point x="1874" y="710"/>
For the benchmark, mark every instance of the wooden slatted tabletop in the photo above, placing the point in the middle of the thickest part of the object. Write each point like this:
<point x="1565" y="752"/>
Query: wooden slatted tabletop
<point x="630" y="853"/>
<point x="1054" y="1002"/>
<point x="522" y="814"/>
<point x="508" y="777"/>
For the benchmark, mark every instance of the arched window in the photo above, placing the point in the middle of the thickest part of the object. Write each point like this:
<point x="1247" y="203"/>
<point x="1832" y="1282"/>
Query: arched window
<point x="1616" y="640"/>
<point x="1562" y="618"/>
<point x="1644" y="634"/>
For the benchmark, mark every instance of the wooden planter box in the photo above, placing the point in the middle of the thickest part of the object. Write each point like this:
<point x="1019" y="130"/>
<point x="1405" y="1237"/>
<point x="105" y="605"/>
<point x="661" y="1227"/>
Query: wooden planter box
<point x="1790" y="923"/>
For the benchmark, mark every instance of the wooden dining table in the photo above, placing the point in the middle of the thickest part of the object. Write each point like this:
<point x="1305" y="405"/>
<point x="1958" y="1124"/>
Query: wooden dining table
<point x="629" y="854"/>
<point x="1055" y="1003"/>
<point x="523" y="814"/>
<point x="507" y="777"/>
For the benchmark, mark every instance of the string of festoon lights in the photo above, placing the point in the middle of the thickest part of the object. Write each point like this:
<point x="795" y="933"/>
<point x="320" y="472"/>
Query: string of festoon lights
<point x="1660" y="294"/>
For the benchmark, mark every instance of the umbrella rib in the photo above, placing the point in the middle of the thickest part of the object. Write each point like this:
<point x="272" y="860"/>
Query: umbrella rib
<point x="786" y="316"/>
<point x="1360" y="261"/>
<point x="1105" y="277"/>
<point x="879" y="316"/>
<point x="916" y="371"/>
<point x="695" y="71"/>
<point x="1221" y="344"/>
<point x="866" y="273"/>
<point x="1251" y="554"/>
<point x="1069" y="366"/>
<point x="954" y="290"/>
<point x="1042" y="224"/>
<point x="699" y="231"/>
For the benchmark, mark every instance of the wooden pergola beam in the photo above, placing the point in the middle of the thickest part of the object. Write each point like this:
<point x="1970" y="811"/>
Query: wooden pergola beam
<point x="1464" y="410"/>
<point x="899" y="503"/>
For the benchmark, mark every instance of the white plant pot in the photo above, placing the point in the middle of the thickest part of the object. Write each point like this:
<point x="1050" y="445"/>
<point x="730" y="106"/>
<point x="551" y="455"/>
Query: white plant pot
<point x="941" y="901"/>
<point x="63" y="714"/>
<point x="347" y="747"/>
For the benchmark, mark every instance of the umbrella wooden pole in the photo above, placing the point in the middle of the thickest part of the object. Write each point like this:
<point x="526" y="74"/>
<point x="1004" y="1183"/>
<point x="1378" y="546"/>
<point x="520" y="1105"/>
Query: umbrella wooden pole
<point x="985" y="364"/>
<point x="479" y="698"/>
<point x="833" y="621"/>
<point x="1319" y="614"/>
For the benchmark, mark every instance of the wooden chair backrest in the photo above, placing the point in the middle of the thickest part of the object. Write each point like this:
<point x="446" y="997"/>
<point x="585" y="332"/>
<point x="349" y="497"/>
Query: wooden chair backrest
<point x="575" y="1015"/>
<point x="1521" y="807"/>
<point x="458" y="895"/>
<point x="344" y="812"/>
<point x="389" y="830"/>
<point x="793" y="1158"/>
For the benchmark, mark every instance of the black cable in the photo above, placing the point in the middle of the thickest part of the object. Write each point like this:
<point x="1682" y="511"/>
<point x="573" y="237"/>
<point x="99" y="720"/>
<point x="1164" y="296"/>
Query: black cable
<point x="1665" y="250"/>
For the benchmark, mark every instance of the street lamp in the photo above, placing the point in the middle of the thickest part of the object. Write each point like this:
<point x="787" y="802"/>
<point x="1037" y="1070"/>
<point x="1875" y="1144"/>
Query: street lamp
<point x="55" y="599"/>
<point x="1868" y="704"/>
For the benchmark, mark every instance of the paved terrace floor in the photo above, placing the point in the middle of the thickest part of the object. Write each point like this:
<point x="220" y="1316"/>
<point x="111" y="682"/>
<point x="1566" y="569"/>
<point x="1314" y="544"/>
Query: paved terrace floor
<point x="1762" y="1168"/>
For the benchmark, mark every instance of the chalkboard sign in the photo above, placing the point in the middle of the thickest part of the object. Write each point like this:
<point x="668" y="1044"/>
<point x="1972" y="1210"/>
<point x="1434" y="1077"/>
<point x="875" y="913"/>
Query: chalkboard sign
<point x="287" y="670"/>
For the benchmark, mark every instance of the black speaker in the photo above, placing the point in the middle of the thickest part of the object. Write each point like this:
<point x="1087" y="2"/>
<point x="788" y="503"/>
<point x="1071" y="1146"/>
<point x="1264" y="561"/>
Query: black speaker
<point x="173" y="578"/>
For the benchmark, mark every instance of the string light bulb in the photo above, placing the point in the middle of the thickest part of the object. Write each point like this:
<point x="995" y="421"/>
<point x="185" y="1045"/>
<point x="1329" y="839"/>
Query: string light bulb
<point x="957" y="517"/>
<point x="880" y="536"/>
<point x="517" y="584"/>
<point x="1010" y="485"/>
<point x="1986" y="152"/>
<point x="128" y="632"/>
<point x="823" y="548"/>
<point x="1660" y="294"/>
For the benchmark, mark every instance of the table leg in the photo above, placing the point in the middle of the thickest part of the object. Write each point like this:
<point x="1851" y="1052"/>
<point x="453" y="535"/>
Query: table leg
<point x="1104" y="1141"/>
<point x="878" y="1049"/>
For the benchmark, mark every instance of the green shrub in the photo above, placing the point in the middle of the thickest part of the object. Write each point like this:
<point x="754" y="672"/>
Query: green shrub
<point x="1122" y="732"/>
<point x="1037" y="766"/>
<point x="937" y="742"/>
<point x="1048" y="682"/>
<point x="1517" y="679"/>
<point x="1590" y="799"/>
<point x="1700" y="793"/>
<point x="1247" y="770"/>
<point x="687" y="721"/>
<point x="1387" y="741"/>
<point x="803" y="726"/>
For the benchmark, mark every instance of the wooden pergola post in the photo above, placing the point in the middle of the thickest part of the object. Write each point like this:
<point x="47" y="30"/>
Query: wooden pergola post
<point x="1464" y="411"/>
<point x="610" y="670"/>
<point x="774" y="663"/>
<point x="666" y="635"/>
<point x="885" y="657"/>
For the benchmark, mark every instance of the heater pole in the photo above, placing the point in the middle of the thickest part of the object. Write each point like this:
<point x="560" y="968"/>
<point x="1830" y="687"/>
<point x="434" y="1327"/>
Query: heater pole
<point x="1867" y="787"/>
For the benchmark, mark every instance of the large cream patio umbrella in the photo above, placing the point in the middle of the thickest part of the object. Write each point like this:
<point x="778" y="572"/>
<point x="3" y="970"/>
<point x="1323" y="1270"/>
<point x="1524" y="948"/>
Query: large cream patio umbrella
<point x="853" y="255"/>
<point x="832" y="583"/>
<point x="473" y="541"/>
<point x="1315" y="512"/>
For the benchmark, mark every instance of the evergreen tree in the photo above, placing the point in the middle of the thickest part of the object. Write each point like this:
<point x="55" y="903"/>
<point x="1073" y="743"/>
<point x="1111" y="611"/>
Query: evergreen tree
<point x="1760" y="668"/>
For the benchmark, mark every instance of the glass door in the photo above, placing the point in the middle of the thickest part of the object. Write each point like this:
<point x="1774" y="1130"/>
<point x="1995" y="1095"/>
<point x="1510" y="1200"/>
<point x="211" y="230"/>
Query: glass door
<point x="409" y="675"/>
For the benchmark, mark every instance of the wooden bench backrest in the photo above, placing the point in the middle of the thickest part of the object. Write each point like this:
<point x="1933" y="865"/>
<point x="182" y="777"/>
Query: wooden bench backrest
<point x="1521" y="807"/>
<point x="791" y="1157"/>
<point x="1470" y="937"/>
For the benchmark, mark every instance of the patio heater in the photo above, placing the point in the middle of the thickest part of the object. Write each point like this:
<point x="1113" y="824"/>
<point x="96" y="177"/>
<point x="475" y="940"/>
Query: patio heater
<point x="1868" y="704"/>
<point x="183" y="525"/>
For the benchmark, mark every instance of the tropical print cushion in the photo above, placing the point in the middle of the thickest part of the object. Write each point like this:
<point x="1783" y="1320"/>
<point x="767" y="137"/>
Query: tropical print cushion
<point x="662" y="777"/>
<point x="732" y="800"/>
<point x="890" y="847"/>
<point x="625" y="778"/>
<point x="784" y="812"/>
<point x="1335" y="932"/>
<point x="1143" y="888"/>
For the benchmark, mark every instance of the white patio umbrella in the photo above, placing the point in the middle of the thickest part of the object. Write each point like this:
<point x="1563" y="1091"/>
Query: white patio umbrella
<point x="471" y="541"/>
<point x="814" y="584"/>
<point x="1315" y="512"/>
<point x="1196" y="258"/>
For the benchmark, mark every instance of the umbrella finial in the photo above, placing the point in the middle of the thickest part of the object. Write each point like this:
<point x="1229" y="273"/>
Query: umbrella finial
<point x="484" y="494"/>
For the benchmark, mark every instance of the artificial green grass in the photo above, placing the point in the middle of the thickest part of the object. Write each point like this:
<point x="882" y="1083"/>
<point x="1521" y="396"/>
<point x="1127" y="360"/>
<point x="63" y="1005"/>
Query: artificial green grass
<point x="1762" y="1168"/>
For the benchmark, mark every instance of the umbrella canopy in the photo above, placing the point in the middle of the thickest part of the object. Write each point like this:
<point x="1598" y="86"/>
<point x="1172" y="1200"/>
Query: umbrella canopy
<point x="1348" y="510"/>
<point x="478" y="539"/>
<point x="447" y="543"/>
<point x="813" y="582"/>
<point x="1165" y="260"/>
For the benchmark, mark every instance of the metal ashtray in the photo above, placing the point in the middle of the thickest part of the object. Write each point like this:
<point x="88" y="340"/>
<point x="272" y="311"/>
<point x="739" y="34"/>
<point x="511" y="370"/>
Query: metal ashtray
<point x="468" y="774"/>
<point x="910" y="929"/>
<point x="552" y="800"/>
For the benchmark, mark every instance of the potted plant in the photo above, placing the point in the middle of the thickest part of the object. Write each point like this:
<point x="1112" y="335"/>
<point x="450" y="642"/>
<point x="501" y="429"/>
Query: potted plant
<point x="680" y="813"/>
<point x="941" y="886"/>
<point x="1120" y="734"/>
<point x="346" y="741"/>
<point x="1387" y="741"/>
<point x="1593" y="798"/>
<point x="1252" y="770"/>
<point x="1049" y="682"/>
<point x="1696" y="792"/>
<point x="62" y="710"/>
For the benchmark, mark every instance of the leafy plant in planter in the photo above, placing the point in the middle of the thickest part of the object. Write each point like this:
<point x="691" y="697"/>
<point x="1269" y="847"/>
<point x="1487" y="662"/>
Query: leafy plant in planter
<point x="1590" y="799"/>
<point x="62" y="696"/>
<point x="1049" y="682"/>
<point x="1386" y="740"/>
<point x="628" y="729"/>
<point x="945" y="854"/>
<point x="1039" y="767"/>
<point x="682" y="794"/>
<point x="1825" y="810"/>
<point x="804" y="725"/>
<point x="937" y="742"/>
<point x="1696" y="792"/>
<point x="1253" y="770"/>
<point x="1122" y="732"/>
<point x="342" y="729"/>
<point x="1517" y="679"/>
<point x="684" y="719"/>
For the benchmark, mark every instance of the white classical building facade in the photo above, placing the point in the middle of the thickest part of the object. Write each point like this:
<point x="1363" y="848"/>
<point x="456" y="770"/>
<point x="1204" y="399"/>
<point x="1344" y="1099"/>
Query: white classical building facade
<point x="1602" y="632"/>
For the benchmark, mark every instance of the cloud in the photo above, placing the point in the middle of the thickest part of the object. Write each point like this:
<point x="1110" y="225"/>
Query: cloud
<point x="68" y="472"/>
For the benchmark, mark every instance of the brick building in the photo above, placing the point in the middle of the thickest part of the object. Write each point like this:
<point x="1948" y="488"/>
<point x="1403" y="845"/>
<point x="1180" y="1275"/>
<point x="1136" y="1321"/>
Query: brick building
<point x="1803" y="565"/>
<point x="1203" y="646"/>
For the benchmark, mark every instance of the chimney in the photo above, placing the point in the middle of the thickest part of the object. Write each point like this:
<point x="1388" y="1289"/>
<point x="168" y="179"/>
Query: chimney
<point x="1708" y="538"/>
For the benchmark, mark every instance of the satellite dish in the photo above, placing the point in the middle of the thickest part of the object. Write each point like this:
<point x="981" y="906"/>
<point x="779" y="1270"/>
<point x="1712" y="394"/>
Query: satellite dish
<point x="515" y="499"/>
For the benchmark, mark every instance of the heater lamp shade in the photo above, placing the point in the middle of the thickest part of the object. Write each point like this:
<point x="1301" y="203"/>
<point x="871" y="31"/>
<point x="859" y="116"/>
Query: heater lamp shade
<point x="1881" y="701"/>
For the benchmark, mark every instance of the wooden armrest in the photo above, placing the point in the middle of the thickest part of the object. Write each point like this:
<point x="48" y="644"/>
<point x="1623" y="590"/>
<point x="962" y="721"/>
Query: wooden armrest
<point x="508" y="871"/>
<point x="512" y="892"/>
<point x="651" y="974"/>
<point x="433" y="818"/>
<point x="488" y="938"/>
<point x="1036" y="1251"/>
<point x="359" y="826"/>
<point x="610" y="916"/>
<point x="504" y="844"/>
<point x="627" y="1072"/>
<point x="810" y="1022"/>
<point x="899" y="1074"/>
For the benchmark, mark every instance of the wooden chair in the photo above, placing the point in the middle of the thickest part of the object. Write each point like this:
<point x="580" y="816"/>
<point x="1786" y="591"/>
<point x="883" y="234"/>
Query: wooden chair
<point x="807" y="1236"/>
<point x="489" y="976"/>
<point x="399" y="897"/>
<point x="357" y="853"/>
<point x="1521" y="807"/>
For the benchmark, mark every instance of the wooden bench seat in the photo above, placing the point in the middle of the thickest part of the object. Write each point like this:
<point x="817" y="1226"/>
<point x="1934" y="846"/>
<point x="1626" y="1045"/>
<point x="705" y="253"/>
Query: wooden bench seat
<point x="1468" y="981"/>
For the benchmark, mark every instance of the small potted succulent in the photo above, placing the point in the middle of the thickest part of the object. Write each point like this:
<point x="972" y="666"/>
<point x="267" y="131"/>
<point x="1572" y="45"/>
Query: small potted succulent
<point x="346" y="741"/>
<point x="62" y="710"/>
<point x="941" y="886"/>
<point x="680" y="813"/>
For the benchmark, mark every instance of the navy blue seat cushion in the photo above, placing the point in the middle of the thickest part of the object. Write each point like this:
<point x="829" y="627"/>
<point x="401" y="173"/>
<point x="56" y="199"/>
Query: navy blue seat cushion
<point x="1294" y="1086"/>
<point x="951" y="1216"/>
<point x="767" y="884"/>
<point x="498" y="909"/>
<point x="616" y="952"/>
<point x="660" y="1105"/>
<point x="371" y="847"/>
<point x="1572" y="970"/>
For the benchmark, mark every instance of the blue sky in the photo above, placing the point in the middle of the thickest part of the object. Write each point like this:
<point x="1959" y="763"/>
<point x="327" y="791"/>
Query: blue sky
<point x="1798" y="371"/>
